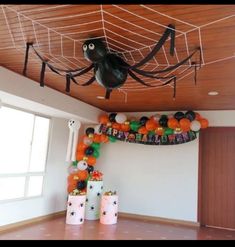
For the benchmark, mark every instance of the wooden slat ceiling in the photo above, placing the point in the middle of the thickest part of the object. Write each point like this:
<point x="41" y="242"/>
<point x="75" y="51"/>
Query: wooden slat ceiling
<point x="131" y="31"/>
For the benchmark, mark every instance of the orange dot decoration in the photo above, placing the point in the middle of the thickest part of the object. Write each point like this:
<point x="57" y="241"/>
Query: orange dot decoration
<point x="87" y="151"/>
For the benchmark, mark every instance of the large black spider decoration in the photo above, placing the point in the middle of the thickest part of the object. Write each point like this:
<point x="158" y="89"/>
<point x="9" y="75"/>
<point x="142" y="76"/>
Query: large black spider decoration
<point x="110" y="70"/>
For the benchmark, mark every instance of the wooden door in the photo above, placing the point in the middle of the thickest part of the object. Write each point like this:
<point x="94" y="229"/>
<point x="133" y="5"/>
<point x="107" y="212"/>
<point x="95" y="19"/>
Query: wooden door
<point x="217" y="177"/>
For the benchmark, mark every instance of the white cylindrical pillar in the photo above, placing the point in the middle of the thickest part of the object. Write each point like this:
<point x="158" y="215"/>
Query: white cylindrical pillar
<point x="75" y="209"/>
<point x="93" y="200"/>
<point x="109" y="209"/>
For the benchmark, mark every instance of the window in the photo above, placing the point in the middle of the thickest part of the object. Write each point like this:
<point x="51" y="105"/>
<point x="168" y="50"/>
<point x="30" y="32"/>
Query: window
<point x="23" y="152"/>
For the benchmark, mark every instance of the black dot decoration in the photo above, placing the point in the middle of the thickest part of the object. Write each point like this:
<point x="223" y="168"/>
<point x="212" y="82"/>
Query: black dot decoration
<point x="98" y="194"/>
<point x="102" y="187"/>
<point x="115" y="214"/>
<point x="91" y="187"/>
<point x="104" y="213"/>
<point x="114" y="202"/>
<point x="70" y="204"/>
<point x="81" y="205"/>
<point x="92" y="207"/>
<point x="81" y="220"/>
<point x="72" y="213"/>
<point x="87" y="200"/>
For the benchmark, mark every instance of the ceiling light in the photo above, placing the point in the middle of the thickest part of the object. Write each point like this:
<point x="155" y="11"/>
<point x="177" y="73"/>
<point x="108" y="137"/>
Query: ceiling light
<point x="100" y="97"/>
<point x="213" y="93"/>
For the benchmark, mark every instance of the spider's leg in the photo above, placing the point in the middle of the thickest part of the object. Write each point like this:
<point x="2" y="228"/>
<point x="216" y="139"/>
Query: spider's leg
<point x="168" y="68"/>
<point x="108" y="92"/>
<point x="135" y="77"/>
<point x="169" y="31"/>
<point x="143" y="73"/>
<point x="89" y="82"/>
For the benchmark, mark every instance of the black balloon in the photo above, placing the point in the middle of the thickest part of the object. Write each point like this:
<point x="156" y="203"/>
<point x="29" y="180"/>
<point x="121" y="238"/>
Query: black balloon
<point x="190" y="115"/>
<point x="94" y="50"/>
<point x="81" y="185"/>
<point x="90" y="131"/>
<point x="110" y="71"/>
<point x="90" y="169"/>
<point x="112" y="117"/>
<point x="89" y="151"/>
<point x="143" y="120"/>
<point x="179" y="115"/>
<point x="163" y="121"/>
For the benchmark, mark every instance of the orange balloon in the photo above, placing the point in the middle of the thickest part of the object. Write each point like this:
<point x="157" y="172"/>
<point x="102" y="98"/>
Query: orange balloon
<point x="97" y="138"/>
<point x="80" y="155"/>
<point x="151" y="125"/>
<point x="198" y="116"/>
<point x="142" y="130"/>
<point x="185" y="129"/>
<point x="116" y="126"/>
<point x="159" y="131"/>
<point x="125" y="127"/>
<point x="91" y="161"/>
<point x="185" y="124"/>
<point x="82" y="174"/>
<point x="204" y="123"/>
<point x="104" y="138"/>
<point x="173" y="123"/>
<point x="81" y="147"/>
<point x="71" y="187"/>
<point x="103" y="119"/>
<point x="73" y="178"/>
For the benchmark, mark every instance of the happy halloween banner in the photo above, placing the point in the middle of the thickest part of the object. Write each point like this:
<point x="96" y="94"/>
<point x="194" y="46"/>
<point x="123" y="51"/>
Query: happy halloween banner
<point x="149" y="139"/>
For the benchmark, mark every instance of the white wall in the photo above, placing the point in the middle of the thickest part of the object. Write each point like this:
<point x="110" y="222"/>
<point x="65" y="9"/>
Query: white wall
<point x="157" y="181"/>
<point x="23" y="92"/>
<point x="55" y="182"/>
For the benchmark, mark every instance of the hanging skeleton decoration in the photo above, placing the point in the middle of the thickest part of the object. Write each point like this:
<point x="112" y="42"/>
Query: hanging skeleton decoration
<point x="111" y="71"/>
<point x="74" y="126"/>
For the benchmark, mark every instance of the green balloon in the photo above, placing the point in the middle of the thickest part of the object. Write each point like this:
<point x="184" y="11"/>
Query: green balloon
<point x="96" y="154"/>
<point x="151" y="133"/>
<point x="112" y="139"/>
<point x="134" y="125"/>
<point x="95" y="145"/>
<point x="74" y="163"/>
<point x="168" y="131"/>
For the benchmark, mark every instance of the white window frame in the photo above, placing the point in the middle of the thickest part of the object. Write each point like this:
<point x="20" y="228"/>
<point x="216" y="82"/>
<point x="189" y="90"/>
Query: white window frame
<point x="27" y="175"/>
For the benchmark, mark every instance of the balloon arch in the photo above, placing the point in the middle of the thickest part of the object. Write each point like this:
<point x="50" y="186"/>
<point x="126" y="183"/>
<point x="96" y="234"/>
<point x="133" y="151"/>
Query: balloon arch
<point x="159" y="129"/>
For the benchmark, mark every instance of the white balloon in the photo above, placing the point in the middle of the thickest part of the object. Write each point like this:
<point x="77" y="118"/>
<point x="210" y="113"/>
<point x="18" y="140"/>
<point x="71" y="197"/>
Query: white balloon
<point x="88" y="141"/>
<point x="97" y="129"/>
<point x="120" y="118"/>
<point x="195" y="125"/>
<point x="82" y="165"/>
<point x="156" y="117"/>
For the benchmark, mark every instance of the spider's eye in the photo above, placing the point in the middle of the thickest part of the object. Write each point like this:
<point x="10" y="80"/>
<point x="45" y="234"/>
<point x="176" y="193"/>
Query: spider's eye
<point x="91" y="46"/>
<point x="84" y="47"/>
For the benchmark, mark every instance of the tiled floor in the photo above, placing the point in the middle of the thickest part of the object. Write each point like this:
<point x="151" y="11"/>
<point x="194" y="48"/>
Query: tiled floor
<point x="124" y="229"/>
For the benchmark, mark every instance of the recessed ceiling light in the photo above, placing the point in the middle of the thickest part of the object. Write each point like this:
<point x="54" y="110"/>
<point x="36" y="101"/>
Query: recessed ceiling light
<point x="100" y="97"/>
<point x="213" y="93"/>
